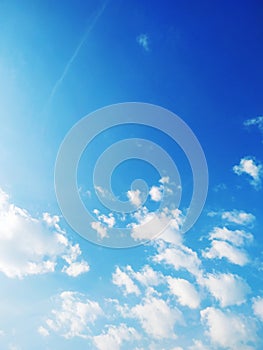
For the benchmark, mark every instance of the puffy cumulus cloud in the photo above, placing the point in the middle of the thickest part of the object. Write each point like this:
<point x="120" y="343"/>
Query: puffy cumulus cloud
<point x="103" y="223"/>
<point x="227" y="288"/>
<point x="76" y="268"/>
<point x="228" y="330"/>
<point x="258" y="307"/>
<point x="115" y="336"/>
<point x="135" y="197"/>
<point x="239" y="217"/>
<point x="156" y="193"/>
<point x="43" y="331"/>
<point x="252" y="168"/>
<point x="31" y="246"/>
<point x="73" y="316"/>
<point x="122" y="279"/>
<point x="164" y="224"/>
<point x="179" y="257"/>
<point x="236" y="237"/>
<point x="156" y="316"/>
<point x="222" y="249"/>
<point x="147" y="276"/>
<point x="185" y="292"/>
<point x="198" y="345"/>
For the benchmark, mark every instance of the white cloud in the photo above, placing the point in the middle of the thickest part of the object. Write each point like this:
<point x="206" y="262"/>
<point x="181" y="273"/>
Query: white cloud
<point x="76" y="268"/>
<point x="156" y="317"/>
<point x="143" y="41"/>
<point x="74" y="315"/>
<point x="30" y="246"/>
<point x="43" y="331"/>
<point x="100" y="229"/>
<point x="164" y="180"/>
<point x="258" y="121"/>
<point x="238" y="217"/>
<point x="184" y="291"/>
<point x="227" y="288"/>
<point x="122" y="279"/>
<point x="236" y="237"/>
<point x="250" y="167"/>
<point x="163" y="225"/>
<point x="135" y="197"/>
<point x="147" y="276"/>
<point x="156" y="193"/>
<point x="228" y="330"/>
<point x="115" y="336"/>
<point x="198" y="345"/>
<point x="180" y="257"/>
<point x="258" y="307"/>
<point x="222" y="249"/>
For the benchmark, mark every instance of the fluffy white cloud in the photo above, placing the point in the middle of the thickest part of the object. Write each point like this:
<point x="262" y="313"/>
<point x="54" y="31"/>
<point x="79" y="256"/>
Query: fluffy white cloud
<point x="227" y="288"/>
<point x="238" y="217"/>
<point x="156" y="193"/>
<point x="147" y="276"/>
<point x="43" y="331"/>
<point x="100" y="229"/>
<point x="258" y="308"/>
<point x="30" y="246"/>
<point x="228" y="330"/>
<point x="73" y="316"/>
<point x="135" y="197"/>
<point x="163" y="225"/>
<point x="76" y="268"/>
<point x="180" y="257"/>
<point x="236" y="237"/>
<point x="184" y="291"/>
<point x="122" y="279"/>
<point x="156" y="317"/>
<point x="252" y="168"/>
<point x="222" y="249"/>
<point x="198" y="345"/>
<point x="115" y="336"/>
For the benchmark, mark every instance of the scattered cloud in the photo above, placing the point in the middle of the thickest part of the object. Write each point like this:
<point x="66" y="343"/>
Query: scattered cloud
<point x="252" y="168"/>
<point x="31" y="246"/>
<point x="236" y="237"/>
<point x="227" y="288"/>
<point x="258" y="307"/>
<point x="258" y="122"/>
<point x="100" y="229"/>
<point x="238" y="217"/>
<point x="115" y="336"/>
<point x="156" y="317"/>
<point x="43" y="331"/>
<point x="135" y="197"/>
<point x="122" y="279"/>
<point x="143" y="41"/>
<point x="76" y="268"/>
<point x="184" y="291"/>
<point x="222" y="249"/>
<point x="156" y="193"/>
<point x="228" y="330"/>
<point x="74" y="315"/>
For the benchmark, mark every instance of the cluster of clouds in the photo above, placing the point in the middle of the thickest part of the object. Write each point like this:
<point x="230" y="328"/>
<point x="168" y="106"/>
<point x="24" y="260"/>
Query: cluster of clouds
<point x="33" y="246"/>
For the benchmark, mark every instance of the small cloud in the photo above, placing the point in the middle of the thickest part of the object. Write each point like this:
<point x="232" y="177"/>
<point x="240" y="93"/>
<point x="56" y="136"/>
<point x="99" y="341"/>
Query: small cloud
<point x="258" y="308"/>
<point x="258" y="122"/>
<point x="143" y="41"/>
<point x="155" y="193"/>
<point x="238" y="217"/>
<point x="76" y="268"/>
<point x="135" y="197"/>
<point x="252" y="168"/>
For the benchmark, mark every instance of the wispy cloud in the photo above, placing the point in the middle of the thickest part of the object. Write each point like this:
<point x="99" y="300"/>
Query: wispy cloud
<point x="76" y="52"/>
<point x="143" y="41"/>
<point x="258" y="121"/>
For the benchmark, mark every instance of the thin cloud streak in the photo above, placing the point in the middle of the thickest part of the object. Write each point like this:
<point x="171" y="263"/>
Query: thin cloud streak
<point x="76" y="52"/>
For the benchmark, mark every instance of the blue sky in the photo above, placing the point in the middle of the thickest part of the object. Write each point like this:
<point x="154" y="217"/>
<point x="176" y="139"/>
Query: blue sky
<point x="59" y="62"/>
